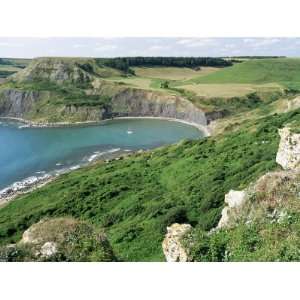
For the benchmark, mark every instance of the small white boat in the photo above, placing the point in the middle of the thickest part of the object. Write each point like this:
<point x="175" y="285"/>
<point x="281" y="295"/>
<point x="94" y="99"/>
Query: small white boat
<point x="129" y="132"/>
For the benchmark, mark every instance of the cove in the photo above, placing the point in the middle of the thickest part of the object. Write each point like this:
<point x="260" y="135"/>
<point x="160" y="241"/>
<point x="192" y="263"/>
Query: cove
<point x="26" y="152"/>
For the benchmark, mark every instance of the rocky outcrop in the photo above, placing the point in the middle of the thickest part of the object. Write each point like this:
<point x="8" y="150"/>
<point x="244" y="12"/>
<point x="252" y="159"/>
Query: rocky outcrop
<point x="267" y="188"/>
<point x="135" y="102"/>
<point x="234" y="200"/>
<point x="125" y="103"/>
<point x="16" y="103"/>
<point x="48" y="106"/>
<point x="172" y="244"/>
<point x="214" y="115"/>
<point x="59" y="239"/>
<point x="288" y="155"/>
<point x="48" y="249"/>
<point x="58" y="70"/>
<point x="293" y="104"/>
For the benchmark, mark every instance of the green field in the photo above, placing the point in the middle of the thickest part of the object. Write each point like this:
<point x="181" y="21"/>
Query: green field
<point x="9" y="66"/>
<point x="254" y="75"/>
<point x="285" y="71"/>
<point x="173" y="73"/>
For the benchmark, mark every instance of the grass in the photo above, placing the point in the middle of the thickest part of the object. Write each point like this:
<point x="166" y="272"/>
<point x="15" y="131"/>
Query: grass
<point x="172" y="73"/>
<point x="136" y="198"/>
<point x="11" y="66"/>
<point x="229" y="89"/>
<point x="285" y="71"/>
<point x="143" y="83"/>
<point x="271" y="235"/>
<point x="74" y="240"/>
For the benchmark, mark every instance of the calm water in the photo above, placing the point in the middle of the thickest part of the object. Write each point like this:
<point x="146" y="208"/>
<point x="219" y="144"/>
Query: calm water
<point x="31" y="151"/>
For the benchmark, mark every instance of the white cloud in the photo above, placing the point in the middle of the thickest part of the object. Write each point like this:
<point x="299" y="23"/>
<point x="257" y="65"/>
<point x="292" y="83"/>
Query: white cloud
<point x="193" y="43"/>
<point x="230" y="46"/>
<point x="6" y="44"/>
<point x="79" y="46"/>
<point x="158" y="48"/>
<point x="104" y="48"/>
<point x="265" y="42"/>
<point x="249" y="40"/>
<point x="184" y="41"/>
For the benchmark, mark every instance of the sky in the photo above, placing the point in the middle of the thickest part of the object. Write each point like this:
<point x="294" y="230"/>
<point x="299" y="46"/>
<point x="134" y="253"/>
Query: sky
<point x="114" y="47"/>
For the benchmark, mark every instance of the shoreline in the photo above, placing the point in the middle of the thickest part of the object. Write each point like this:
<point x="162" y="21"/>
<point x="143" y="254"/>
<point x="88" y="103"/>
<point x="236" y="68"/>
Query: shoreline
<point x="29" y="184"/>
<point x="31" y="124"/>
<point x="11" y="192"/>
<point x="33" y="182"/>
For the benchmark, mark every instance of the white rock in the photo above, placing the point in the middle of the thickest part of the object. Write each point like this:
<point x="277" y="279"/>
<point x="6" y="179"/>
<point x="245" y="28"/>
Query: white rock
<point x="29" y="237"/>
<point x="224" y="218"/>
<point x="235" y="200"/>
<point x="288" y="155"/>
<point x="172" y="247"/>
<point x="48" y="249"/>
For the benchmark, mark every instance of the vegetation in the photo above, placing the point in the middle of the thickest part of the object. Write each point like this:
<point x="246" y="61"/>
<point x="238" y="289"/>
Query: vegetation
<point x="5" y="73"/>
<point x="125" y="63"/>
<point x="136" y="197"/>
<point x="269" y="233"/>
<point x="257" y="71"/>
<point x="73" y="240"/>
<point x="9" y="66"/>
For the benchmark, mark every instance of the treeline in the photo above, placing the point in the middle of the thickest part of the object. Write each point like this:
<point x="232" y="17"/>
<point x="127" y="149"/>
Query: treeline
<point x="125" y="63"/>
<point x="254" y="57"/>
<point x="4" y="62"/>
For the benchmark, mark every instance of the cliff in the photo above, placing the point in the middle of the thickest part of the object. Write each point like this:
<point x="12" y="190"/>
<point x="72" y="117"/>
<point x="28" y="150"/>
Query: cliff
<point x="56" y="90"/>
<point x="258" y="223"/>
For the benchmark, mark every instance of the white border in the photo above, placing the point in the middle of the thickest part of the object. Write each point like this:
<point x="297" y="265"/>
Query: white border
<point x="151" y="18"/>
<point x="145" y="18"/>
<point x="247" y="281"/>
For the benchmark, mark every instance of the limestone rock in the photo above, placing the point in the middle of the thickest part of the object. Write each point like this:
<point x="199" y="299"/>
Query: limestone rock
<point x="293" y="104"/>
<point x="235" y="200"/>
<point x="48" y="249"/>
<point x="288" y="155"/>
<point x="172" y="246"/>
<point x="29" y="236"/>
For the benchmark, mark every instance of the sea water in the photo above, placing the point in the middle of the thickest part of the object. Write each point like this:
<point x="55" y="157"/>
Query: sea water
<point x="33" y="152"/>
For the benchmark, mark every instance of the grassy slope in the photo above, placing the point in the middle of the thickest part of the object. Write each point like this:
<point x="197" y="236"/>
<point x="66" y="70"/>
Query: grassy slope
<point x="172" y="73"/>
<point x="136" y="198"/>
<point x="285" y="71"/>
<point x="12" y="66"/>
<point x="267" y="229"/>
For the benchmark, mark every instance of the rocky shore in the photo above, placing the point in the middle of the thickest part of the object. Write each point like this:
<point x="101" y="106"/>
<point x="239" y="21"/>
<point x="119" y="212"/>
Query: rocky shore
<point x="23" y="186"/>
<point x="34" y="182"/>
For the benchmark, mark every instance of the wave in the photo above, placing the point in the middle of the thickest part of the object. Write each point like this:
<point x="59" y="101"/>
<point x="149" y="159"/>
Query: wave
<point x="97" y="154"/>
<point x="23" y="185"/>
<point x="42" y="177"/>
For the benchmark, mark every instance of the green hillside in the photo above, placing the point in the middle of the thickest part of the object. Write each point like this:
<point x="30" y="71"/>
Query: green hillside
<point x="257" y="71"/>
<point x="134" y="199"/>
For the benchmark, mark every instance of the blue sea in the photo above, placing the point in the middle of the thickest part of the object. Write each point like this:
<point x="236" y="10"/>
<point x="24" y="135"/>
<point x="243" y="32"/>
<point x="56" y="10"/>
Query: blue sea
<point x="26" y="152"/>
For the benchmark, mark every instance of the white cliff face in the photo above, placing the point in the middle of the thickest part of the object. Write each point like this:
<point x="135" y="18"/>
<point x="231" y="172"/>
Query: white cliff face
<point x="172" y="246"/>
<point x="288" y="155"/>
<point x="234" y="201"/>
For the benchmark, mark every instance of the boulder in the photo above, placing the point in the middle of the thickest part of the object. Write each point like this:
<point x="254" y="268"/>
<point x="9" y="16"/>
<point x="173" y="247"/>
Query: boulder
<point x="234" y="201"/>
<point x="172" y="244"/>
<point x="48" y="249"/>
<point x="288" y="155"/>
